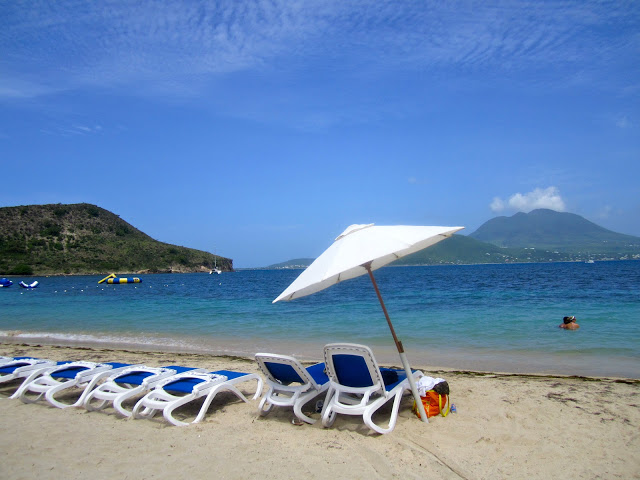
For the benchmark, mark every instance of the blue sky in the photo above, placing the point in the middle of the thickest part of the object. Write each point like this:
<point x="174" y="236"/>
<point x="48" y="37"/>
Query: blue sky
<point x="261" y="129"/>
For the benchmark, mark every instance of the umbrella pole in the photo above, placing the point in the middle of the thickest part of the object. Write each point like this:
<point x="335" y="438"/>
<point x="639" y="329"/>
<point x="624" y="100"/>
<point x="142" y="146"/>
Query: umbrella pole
<point x="403" y="355"/>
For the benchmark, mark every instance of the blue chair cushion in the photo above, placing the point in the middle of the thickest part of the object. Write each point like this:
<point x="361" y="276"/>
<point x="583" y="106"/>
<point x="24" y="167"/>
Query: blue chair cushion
<point x="11" y="368"/>
<point x="284" y="373"/>
<point x="136" y="378"/>
<point x="229" y="374"/>
<point x="318" y="374"/>
<point x="183" y="385"/>
<point x="352" y="371"/>
<point x="71" y="372"/>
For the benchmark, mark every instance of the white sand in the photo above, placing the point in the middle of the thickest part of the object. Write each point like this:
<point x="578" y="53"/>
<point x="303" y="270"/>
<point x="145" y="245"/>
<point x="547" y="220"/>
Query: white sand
<point x="507" y="426"/>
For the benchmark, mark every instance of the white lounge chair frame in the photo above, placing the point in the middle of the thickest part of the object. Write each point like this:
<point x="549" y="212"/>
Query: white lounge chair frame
<point x="29" y="369"/>
<point x="212" y="383"/>
<point x="5" y="360"/>
<point x="364" y="400"/>
<point x="115" y="391"/>
<point x="45" y="384"/>
<point x="295" y="395"/>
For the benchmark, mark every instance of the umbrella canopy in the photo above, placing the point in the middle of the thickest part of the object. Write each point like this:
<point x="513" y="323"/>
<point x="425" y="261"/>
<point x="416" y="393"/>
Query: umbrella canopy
<point x="359" y="250"/>
<point x="358" y="246"/>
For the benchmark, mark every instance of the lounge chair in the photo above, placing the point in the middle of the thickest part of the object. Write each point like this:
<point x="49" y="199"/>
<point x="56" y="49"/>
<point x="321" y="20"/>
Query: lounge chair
<point x="23" y="368"/>
<point x="186" y="387"/>
<point x="290" y="384"/>
<point x="4" y="360"/>
<point x="358" y="386"/>
<point x="50" y="382"/>
<point x="129" y="383"/>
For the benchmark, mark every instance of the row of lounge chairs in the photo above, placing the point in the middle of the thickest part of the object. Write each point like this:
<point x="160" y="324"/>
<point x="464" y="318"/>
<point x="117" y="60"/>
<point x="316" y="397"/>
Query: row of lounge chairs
<point x="164" y="389"/>
<point x="350" y="380"/>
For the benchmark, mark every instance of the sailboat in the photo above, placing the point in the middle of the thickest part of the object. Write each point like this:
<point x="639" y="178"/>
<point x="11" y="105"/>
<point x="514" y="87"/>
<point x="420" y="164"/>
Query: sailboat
<point x="215" y="266"/>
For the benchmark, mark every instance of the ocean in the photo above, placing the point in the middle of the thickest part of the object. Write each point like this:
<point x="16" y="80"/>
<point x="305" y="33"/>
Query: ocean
<point x="499" y="318"/>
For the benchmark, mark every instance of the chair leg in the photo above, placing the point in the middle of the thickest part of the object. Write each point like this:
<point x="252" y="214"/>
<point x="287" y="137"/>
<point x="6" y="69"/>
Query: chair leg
<point x="297" y="410"/>
<point x="90" y="387"/>
<point x="328" y="416"/>
<point x="265" y="405"/>
<point x="146" y="407"/>
<point x="211" y="395"/>
<point x="95" y="407"/>
<point x="301" y="402"/>
<point x="121" y="398"/>
<point x="50" y="394"/>
<point x="25" y="383"/>
<point x="371" y="409"/>
<point x="167" y="411"/>
<point x="42" y="386"/>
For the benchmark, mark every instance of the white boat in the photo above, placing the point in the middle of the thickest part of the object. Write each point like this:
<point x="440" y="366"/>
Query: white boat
<point x="215" y="266"/>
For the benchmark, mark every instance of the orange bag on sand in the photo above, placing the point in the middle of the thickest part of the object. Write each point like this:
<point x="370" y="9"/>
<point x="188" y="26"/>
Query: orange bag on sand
<point x="434" y="404"/>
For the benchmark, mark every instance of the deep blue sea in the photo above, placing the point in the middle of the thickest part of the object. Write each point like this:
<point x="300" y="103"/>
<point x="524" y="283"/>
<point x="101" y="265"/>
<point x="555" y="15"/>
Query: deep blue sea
<point x="479" y="317"/>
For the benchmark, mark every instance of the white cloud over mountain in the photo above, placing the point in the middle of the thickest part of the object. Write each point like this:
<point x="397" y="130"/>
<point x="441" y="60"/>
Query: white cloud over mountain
<point x="525" y="202"/>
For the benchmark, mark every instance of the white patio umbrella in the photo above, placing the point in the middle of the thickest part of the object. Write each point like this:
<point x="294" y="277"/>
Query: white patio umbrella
<point x="359" y="250"/>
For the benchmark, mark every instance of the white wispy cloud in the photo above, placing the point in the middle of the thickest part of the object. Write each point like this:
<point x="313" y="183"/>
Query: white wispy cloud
<point x="178" y="46"/>
<point x="525" y="202"/>
<point x="73" y="130"/>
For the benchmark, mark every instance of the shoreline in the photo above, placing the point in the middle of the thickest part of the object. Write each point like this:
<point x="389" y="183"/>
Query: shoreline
<point x="19" y="348"/>
<point x="446" y="360"/>
<point x="242" y="269"/>
<point x="506" y="426"/>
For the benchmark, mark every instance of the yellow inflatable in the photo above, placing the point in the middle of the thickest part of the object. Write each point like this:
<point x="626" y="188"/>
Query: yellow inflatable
<point x="113" y="280"/>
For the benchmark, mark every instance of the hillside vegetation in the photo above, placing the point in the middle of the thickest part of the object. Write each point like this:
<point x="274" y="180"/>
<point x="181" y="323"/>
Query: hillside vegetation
<point x="292" y="264"/>
<point x="539" y="236"/>
<point x="562" y="231"/>
<point x="86" y="239"/>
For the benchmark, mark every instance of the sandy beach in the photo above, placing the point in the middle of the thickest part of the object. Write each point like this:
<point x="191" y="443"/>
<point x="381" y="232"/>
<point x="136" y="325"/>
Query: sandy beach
<point x="506" y="426"/>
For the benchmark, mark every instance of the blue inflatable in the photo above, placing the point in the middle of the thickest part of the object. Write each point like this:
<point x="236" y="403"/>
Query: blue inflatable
<point x="5" y="282"/>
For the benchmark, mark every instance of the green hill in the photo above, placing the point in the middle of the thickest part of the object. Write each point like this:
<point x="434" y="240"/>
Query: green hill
<point x="457" y="249"/>
<point x="86" y="239"/>
<point x="561" y="231"/>
<point x="295" y="263"/>
<point x="463" y="250"/>
<point x="539" y="236"/>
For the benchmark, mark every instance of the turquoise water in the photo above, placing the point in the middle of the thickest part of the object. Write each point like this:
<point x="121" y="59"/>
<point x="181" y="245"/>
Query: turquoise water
<point x="479" y="317"/>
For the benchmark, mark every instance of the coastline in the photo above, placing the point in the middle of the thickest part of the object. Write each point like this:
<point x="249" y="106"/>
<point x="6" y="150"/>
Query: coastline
<point x="507" y="426"/>
<point x="446" y="358"/>
<point x="205" y="270"/>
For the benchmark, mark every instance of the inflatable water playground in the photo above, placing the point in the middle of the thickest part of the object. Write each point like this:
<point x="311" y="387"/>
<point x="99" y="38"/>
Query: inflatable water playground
<point x="115" y="280"/>
<point x="5" y="282"/>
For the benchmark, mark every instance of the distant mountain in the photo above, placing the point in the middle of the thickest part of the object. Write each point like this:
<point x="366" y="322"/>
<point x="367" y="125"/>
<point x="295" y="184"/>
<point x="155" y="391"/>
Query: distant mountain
<point x="295" y="263"/>
<point x="457" y="249"/>
<point x="566" y="232"/>
<point x="86" y="239"/>
<point x="539" y="236"/>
